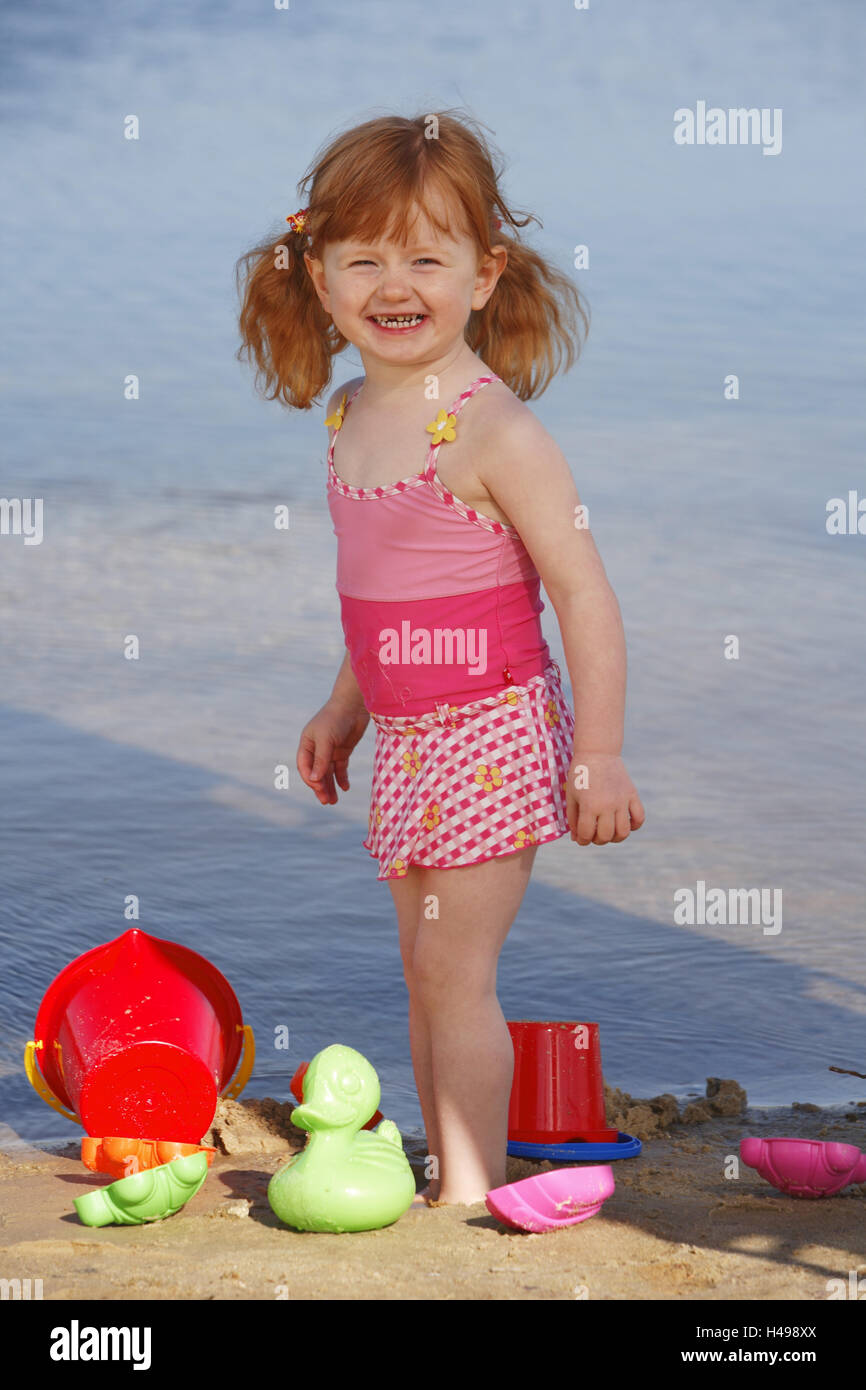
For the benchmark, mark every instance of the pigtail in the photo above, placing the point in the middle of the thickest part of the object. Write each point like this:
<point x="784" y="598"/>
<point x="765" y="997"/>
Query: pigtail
<point x="531" y="323"/>
<point x="283" y="326"/>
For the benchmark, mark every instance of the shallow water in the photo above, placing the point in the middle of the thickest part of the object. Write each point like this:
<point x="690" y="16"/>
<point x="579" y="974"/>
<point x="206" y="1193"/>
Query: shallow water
<point x="155" y="777"/>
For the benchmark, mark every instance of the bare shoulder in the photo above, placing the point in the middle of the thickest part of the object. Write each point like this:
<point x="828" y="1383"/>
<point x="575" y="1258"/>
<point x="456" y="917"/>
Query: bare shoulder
<point x="511" y="432"/>
<point x="345" y="390"/>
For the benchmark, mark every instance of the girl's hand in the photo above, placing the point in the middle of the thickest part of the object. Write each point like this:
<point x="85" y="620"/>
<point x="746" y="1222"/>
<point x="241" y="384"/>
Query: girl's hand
<point x="604" y="807"/>
<point x="325" y="745"/>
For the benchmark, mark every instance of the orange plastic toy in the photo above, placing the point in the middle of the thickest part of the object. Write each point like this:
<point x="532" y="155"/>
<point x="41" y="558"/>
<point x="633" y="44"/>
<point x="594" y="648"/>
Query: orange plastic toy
<point x="124" y="1157"/>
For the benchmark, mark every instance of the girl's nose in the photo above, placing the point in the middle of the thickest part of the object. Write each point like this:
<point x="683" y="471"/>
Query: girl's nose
<point x="393" y="285"/>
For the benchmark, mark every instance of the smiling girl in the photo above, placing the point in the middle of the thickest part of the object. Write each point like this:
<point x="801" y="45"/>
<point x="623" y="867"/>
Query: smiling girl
<point x="402" y="251"/>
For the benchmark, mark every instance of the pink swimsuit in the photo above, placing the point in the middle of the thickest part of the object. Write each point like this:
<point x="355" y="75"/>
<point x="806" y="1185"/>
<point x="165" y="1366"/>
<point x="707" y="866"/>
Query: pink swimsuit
<point x="441" y="616"/>
<point x="412" y="561"/>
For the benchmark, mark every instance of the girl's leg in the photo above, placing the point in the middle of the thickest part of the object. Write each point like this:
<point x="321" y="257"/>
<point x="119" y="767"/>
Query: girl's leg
<point x="409" y="906"/>
<point x="453" y="976"/>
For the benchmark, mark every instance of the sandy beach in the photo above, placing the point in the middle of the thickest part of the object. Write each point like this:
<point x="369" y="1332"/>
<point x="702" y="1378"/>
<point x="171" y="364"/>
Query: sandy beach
<point x="676" y="1227"/>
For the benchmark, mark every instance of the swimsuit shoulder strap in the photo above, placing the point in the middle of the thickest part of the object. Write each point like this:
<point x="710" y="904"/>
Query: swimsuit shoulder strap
<point x="347" y="401"/>
<point x="454" y="410"/>
<point x="470" y="391"/>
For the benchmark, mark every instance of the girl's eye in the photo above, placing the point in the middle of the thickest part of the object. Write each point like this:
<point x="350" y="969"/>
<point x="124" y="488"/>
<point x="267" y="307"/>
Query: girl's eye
<point x="428" y="260"/>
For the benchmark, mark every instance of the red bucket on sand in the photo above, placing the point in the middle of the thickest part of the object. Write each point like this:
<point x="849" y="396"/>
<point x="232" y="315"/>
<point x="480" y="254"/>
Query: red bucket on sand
<point x="296" y="1086"/>
<point x="557" y="1094"/>
<point x="138" y="1038"/>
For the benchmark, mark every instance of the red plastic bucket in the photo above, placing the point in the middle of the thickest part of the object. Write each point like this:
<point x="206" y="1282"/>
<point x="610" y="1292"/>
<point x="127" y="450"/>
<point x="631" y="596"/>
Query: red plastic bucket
<point x="296" y="1086"/>
<point x="138" y="1037"/>
<point x="557" y="1094"/>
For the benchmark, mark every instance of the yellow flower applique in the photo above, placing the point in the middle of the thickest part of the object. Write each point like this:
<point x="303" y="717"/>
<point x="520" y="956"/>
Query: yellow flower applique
<point x="431" y="816"/>
<point x="551" y="714"/>
<point x="509" y="697"/>
<point x="398" y="869"/>
<point x="443" y="427"/>
<point x="488" y="777"/>
<point x="523" y="838"/>
<point x="337" y="419"/>
<point x="411" y="762"/>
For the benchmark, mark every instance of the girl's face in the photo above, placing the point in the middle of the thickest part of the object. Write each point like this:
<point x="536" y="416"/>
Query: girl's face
<point x="405" y="304"/>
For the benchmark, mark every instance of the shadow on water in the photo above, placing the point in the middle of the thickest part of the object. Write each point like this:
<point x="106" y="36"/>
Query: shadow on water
<point x="296" y="919"/>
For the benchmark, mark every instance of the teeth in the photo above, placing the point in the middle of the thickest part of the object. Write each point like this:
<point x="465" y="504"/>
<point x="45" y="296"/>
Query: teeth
<point x="398" y="320"/>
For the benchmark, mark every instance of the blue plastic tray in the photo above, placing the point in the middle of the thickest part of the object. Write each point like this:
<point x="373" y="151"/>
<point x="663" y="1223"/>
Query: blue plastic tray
<point x="625" y="1147"/>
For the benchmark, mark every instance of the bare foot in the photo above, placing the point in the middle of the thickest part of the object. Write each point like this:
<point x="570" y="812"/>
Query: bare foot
<point x="424" y="1198"/>
<point x="458" y="1201"/>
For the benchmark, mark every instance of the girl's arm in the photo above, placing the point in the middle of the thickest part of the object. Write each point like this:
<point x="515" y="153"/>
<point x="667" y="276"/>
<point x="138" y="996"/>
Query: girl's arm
<point x="346" y="692"/>
<point x="528" y="476"/>
<point x="594" y="644"/>
<point x="327" y="740"/>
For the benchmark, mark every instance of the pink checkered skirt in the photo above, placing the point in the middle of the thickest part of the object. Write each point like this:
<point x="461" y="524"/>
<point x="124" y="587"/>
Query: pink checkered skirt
<point x="471" y="782"/>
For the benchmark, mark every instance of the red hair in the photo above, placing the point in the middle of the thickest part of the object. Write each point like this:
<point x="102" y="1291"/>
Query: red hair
<point x="363" y="185"/>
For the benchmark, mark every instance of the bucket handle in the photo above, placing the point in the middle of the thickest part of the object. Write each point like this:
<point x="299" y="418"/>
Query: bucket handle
<point x="40" y="1085"/>
<point x="248" y="1057"/>
<point x="42" y="1089"/>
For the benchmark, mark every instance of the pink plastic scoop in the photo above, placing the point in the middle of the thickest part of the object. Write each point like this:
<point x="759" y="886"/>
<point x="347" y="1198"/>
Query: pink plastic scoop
<point x="547" y="1201"/>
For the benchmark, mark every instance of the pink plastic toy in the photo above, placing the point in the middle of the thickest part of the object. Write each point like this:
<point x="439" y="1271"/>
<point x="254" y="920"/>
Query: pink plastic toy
<point x="547" y="1201"/>
<point x="805" y="1167"/>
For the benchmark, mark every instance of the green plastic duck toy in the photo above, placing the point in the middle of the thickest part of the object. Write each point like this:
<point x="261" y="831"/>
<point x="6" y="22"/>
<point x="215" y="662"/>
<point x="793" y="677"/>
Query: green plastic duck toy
<point x="346" y="1178"/>
<point x="147" y="1196"/>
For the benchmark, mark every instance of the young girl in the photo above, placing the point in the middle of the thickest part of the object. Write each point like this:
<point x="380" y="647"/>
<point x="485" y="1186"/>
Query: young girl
<point x="450" y="502"/>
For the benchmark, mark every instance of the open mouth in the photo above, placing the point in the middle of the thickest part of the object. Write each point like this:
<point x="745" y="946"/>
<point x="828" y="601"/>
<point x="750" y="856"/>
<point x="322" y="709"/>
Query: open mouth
<point x="397" y="323"/>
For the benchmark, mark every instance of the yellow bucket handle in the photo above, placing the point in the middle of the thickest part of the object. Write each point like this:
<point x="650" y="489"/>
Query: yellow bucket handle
<point x="40" y="1085"/>
<point x="248" y="1057"/>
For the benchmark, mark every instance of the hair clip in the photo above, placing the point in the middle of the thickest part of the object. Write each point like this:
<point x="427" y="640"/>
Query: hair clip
<point x="297" y="220"/>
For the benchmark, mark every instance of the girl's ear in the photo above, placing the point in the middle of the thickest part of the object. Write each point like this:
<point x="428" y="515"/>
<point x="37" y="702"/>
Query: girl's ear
<point x="316" y="272"/>
<point x="488" y="273"/>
